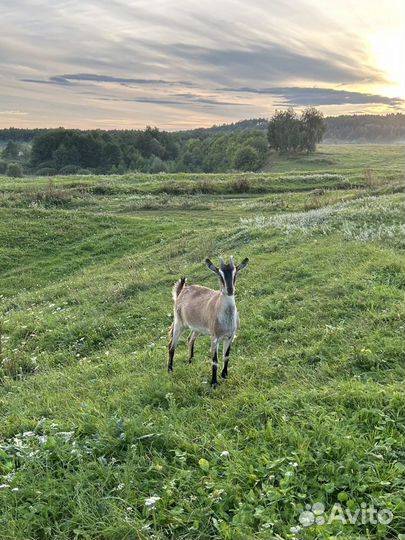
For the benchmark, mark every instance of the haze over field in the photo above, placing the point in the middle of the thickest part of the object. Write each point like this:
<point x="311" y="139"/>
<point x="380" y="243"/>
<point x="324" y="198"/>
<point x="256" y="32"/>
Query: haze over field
<point x="179" y="64"/>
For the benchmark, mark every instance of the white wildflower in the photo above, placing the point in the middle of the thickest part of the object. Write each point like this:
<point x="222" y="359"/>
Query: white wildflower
<point x="151" y="501"/>
<point x="225" y="453"/>
<point x="66" y="435"/>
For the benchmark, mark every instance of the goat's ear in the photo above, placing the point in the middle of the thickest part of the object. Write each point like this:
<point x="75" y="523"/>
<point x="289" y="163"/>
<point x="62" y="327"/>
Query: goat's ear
<point x="211" y="266"/>
<point x="242" y="265"/>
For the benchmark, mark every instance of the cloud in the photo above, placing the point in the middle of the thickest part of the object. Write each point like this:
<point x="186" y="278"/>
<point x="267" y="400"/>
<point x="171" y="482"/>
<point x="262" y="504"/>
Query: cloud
<point x="13" y="113"/>
<point x="136" y="62"/>
<point x="66" y="80"/>
<point x="275" y="62"/>
<point x="300" y="96"/>
<point x="185" y="99"/>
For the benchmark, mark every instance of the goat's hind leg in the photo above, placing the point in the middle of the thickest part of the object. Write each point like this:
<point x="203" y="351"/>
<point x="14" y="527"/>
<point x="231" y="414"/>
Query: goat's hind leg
<point x="176" y="330"/>
<point x="191" y="340"/>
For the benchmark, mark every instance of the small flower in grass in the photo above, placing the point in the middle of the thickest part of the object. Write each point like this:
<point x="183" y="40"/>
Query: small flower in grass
<point x="295" y="530"/>
<point x="151" y="502"/>
<point x="4" y="486"/>
<point x="15" y="489"/>
<point x="120" y="487"/>
<point x="225" y="453"/>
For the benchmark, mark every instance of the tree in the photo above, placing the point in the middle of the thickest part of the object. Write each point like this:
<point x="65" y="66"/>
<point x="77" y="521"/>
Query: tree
<point x="14" y="170"/>
<point x="66" y="154"/>
<point x="284" y="131"/>
<point x="157" y="165"/>
<point x="11" y="150"/>
<point x="112" y="155"/>
<point x="246" y="159"/>
<point x="288" y="133"/>
<point x="313" y="128"/>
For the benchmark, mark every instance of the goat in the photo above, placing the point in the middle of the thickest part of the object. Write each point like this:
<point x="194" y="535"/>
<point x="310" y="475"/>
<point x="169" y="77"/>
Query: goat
<point x="207" y="312"/>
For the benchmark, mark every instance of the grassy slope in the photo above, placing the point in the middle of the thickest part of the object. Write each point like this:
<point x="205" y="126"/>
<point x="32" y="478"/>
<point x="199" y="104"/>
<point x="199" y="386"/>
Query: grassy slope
<point x="341" y="156"/>
<point x="312" y="409"/>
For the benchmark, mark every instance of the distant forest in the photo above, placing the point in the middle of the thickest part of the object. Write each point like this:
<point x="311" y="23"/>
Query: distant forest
<point x="241" y="146"/>
<point x="365" y="128"/>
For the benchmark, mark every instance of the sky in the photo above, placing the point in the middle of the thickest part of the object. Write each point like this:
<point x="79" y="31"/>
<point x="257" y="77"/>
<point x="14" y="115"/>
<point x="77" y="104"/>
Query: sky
<point x="179" y="64"/>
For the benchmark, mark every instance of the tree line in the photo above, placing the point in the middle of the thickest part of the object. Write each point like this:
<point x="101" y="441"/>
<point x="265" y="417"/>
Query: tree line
<point x="241" y="146"/>
<point x="66" y="151"/>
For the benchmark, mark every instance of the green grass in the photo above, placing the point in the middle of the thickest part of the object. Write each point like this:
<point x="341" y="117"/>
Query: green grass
<point x="91" y="424"/>
<point x="341" y="156"/>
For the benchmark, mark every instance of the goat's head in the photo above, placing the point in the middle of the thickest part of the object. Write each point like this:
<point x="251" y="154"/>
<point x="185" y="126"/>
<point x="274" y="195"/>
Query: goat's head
<point x="227" y="273"/>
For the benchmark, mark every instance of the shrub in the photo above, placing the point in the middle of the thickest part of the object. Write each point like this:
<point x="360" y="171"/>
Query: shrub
<point x="246" y="159"/>
<point x="70" y="169"/>
<point x="14" y="170"/>
<point x="241" y="184"/>
<point x="3" y="167"/>
<point x="52" y="196"/>
<point x="46" y="171"/>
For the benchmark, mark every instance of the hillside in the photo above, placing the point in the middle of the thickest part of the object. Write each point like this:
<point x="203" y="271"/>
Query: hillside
<point x="97" y="441"/>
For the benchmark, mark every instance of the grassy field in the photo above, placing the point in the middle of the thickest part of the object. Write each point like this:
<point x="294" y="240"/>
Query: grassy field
<point x="92" y="426"/>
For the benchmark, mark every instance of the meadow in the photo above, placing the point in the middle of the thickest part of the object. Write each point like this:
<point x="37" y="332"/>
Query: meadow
<point x="97" y="441"/>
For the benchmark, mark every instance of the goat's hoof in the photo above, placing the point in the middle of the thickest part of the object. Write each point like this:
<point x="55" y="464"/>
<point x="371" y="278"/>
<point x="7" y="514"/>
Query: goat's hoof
<point x="224" y="374"/>
<point x="214" y="384"/>
<point x="169" y="370"/>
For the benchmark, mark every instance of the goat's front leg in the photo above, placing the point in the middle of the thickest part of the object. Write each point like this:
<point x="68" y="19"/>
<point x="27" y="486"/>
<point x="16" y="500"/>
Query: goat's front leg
<point x="214" y="352"/>
<point x="227" y="353"/>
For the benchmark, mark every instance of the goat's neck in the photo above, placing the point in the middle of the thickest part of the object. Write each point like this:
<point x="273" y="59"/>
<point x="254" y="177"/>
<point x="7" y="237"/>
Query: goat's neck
<point x="227" y="302"/>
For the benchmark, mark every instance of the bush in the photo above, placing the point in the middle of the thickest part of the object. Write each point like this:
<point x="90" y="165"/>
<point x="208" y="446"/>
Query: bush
<point x="246" y="159"/>
<point x="70" y="169"/>
<point x="14" y="170"/>
<point x="46" y="171"/>
<point x="52" y="196"/>
<point x="157" y="165"/>
<point x="3" y="167"/>
<point x="241" y="185"/>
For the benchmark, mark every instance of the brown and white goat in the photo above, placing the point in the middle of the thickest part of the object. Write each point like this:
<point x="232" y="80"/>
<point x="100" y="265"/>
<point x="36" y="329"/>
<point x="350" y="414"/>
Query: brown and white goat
<point x="207" y="312"/>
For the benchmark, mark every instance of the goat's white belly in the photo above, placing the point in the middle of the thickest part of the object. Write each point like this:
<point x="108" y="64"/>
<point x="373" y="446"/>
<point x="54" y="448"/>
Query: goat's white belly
<point x="200" y="330"/>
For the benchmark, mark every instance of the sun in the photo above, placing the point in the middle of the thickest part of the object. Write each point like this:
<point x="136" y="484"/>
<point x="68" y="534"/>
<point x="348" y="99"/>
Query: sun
<point x="386" y="52"/>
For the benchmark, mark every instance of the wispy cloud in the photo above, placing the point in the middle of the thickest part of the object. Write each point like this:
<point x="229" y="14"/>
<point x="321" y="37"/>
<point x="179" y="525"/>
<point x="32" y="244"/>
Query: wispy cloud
<point x="303" y="96"/>
<point x="66" y="80"/>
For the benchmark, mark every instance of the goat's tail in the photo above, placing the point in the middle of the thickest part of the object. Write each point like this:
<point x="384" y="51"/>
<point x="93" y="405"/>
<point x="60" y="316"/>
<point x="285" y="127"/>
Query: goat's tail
<point x="178" y="287"/>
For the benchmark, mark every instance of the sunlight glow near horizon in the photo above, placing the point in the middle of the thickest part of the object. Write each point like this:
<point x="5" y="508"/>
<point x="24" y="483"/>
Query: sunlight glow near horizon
<point x="387" y="48"/>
